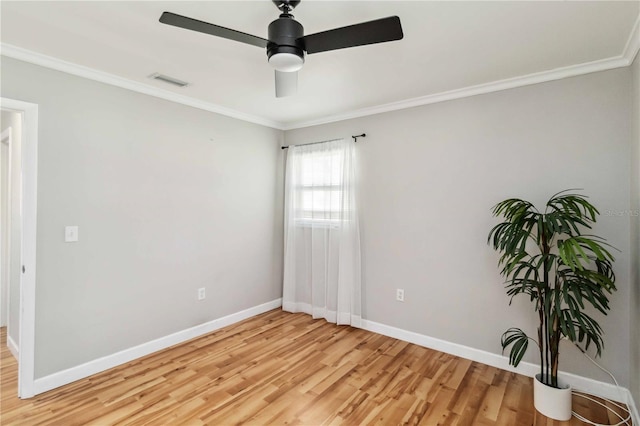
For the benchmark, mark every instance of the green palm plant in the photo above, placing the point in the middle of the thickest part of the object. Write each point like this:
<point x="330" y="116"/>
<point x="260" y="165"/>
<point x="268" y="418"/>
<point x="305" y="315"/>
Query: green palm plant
<point x="547" y="257"/>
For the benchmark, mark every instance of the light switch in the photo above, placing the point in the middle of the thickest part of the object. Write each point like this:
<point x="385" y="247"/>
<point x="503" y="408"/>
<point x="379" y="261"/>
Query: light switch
<point x="70" y="234"/>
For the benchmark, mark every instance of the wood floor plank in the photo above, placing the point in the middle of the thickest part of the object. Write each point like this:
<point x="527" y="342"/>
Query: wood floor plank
<point x="280" y="368"/>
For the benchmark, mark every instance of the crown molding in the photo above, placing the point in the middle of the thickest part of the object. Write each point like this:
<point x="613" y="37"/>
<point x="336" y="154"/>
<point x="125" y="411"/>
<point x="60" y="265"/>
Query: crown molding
<point x="627" y="57"/>
<point x="480" y="89"/>
<point x="632" y="46"/>
<point x="25" y="55"/>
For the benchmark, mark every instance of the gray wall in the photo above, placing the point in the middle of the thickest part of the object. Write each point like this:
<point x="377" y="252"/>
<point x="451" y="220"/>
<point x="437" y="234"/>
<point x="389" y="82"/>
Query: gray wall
<point x="168" y="199"/>
<point x="14" y="120"/>
<point x="430" y="175"/>
<point x="635" y="236"/>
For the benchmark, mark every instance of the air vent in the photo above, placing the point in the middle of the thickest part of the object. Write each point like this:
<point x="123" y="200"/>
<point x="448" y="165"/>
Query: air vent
<point x="167" y="79"/>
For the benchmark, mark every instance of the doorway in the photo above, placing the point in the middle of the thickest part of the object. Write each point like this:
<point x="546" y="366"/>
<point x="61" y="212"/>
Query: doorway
<point x="10" y="226"/>
<point x="18" y="233"/>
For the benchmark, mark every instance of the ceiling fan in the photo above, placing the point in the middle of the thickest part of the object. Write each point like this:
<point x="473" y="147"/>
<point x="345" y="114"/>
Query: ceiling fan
<point x="287" y="44"/>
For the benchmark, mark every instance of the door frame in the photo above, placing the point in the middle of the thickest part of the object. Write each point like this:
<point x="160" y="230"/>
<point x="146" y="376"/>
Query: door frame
<point x="5" y="303"/>
<point x="27" y="309"/>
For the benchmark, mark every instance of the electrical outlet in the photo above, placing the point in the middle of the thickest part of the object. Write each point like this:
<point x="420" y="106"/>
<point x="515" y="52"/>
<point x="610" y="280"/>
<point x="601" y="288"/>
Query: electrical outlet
<point x="400" y="295"/>
<point x="201" y="293"/>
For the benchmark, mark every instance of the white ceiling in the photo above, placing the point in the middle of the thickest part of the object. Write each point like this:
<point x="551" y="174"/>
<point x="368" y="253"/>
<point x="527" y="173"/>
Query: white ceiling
<point x="447" y="46"/>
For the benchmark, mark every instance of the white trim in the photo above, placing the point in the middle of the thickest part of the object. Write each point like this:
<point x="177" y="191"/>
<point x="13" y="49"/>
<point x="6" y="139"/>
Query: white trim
<point x="632" y="46"/>
<point x="594" y="387"/>
<point x="7" y="135"/>
<point x="13" y="348"/>
<point x="465" y="92"/>
<point x="27" y="313"/>
<point x="87" y="369"/>
<point x="630" y="50"/>
<point x="70" y="375"/>
<point x="114" y="80"/>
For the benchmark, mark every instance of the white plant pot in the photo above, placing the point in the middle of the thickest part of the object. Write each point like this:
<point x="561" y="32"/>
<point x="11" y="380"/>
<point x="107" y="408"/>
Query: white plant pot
<point x="552" y="402"/>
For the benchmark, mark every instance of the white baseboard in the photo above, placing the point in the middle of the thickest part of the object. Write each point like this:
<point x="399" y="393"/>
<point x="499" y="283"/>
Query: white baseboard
<point x="87" y="369"/>
<point x="13" y="348"/>
<point x="594" y="387"/>
<point x="601" y="389"/>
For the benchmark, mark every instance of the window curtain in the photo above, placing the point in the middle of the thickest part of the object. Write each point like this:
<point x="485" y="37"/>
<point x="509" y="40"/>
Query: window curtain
<point x="322" y="237"/>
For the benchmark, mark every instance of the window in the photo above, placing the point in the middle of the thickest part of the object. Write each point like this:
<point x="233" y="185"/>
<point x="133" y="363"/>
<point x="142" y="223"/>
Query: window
<point x="319" y="180"/>
<point x="322" y="237"/>
<point x="320" y="188"/>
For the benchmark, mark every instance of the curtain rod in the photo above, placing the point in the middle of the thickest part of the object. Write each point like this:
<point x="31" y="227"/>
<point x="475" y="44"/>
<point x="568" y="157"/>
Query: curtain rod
<point x="355" y="139"/>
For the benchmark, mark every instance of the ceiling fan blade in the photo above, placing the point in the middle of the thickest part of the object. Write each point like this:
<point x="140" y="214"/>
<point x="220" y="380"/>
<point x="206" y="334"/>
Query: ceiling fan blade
<point x="286" y="83"/>
<point x="378" y="31"/>
<point x="207" y="28"/>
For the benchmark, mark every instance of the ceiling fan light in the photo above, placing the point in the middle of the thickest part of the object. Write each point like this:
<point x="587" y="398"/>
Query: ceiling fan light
<point x="286" y="62"/>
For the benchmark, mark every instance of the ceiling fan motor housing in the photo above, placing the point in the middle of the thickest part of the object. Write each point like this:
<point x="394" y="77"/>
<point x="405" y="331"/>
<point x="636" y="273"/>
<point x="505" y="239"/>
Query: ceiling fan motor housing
<point x="285" y="36"/>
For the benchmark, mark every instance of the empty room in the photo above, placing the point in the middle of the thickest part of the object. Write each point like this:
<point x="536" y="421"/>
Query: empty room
<point x="320" y="212"/>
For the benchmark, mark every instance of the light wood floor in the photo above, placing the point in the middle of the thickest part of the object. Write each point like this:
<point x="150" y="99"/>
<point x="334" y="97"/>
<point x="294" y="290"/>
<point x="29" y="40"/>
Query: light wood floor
<point x="280" y="368"/>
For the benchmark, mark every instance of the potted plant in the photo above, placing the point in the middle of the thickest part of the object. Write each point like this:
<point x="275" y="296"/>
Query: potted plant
<point x="546" y="256"/>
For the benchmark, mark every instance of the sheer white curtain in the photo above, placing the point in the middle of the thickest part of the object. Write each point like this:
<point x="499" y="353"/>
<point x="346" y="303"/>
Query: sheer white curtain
<point x="322" y="237"/>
